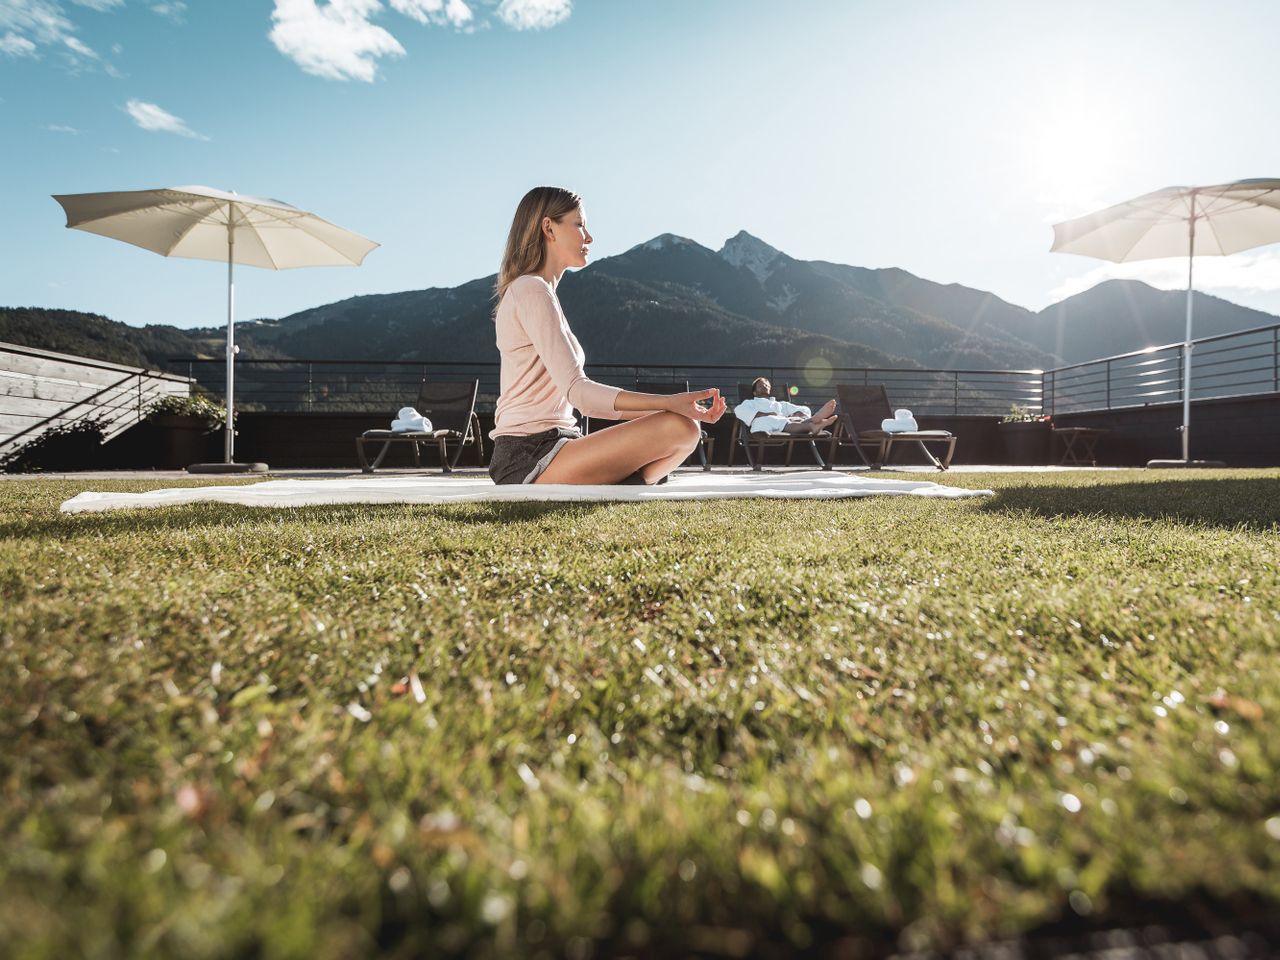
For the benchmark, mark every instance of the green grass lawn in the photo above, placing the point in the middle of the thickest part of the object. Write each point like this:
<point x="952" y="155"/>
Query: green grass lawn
<point x="729" y="728"/>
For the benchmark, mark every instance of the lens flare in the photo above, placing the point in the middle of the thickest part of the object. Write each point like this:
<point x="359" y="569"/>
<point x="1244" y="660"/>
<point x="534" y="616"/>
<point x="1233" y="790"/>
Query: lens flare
<point x="817" y="372"/>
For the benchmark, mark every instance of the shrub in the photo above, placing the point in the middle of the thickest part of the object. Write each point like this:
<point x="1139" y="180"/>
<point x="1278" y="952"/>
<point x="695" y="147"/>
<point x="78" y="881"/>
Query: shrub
<point x="71" y="446"/>
<point x="1020" y="414"/>
<point x="196" y="405"/>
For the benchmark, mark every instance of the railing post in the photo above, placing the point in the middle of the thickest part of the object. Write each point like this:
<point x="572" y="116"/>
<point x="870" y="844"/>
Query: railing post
<point x="955" y="394"/>
<point x="1108" y="384"/>
<point x="309" y="381"/>
<point x="1182" y="358"/>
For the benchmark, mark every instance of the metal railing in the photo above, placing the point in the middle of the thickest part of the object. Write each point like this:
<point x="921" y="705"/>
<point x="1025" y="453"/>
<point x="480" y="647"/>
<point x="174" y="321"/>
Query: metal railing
<point x="1227" y="365"/>
<point x="331" y="386"/>
<point x="41" y="390"/>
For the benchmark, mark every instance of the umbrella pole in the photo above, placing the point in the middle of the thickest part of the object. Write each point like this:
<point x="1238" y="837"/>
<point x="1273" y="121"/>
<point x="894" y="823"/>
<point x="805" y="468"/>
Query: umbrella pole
<point x="230" y="441"/>
<point x="1186" y="344"/>
<point x="229" y="465"/>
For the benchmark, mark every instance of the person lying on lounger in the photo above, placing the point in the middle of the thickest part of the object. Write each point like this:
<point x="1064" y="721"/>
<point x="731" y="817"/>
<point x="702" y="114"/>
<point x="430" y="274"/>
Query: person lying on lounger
<point x="535" y="437"/>
<point x="763" y="414"/>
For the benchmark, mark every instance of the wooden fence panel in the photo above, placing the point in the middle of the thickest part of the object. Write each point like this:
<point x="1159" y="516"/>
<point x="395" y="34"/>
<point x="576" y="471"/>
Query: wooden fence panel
<point x="41" y="390"/>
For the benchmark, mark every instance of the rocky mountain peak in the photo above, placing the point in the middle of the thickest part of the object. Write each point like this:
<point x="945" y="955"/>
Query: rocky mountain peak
<point x="664" y="241"/>
<point x="745" y="250"/>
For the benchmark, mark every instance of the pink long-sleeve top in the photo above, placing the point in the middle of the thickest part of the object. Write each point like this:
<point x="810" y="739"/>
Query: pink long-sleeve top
<point x="541" y="379"/>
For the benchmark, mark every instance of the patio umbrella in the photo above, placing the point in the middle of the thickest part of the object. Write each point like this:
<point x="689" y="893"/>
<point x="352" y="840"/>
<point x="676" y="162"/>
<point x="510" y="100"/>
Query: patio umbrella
<point x="201" y="223"/>
<point x="1190" y="222"/>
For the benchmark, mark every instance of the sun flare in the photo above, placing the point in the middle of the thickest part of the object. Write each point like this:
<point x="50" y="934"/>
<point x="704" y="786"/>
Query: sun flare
<point x="1075" y="152"/>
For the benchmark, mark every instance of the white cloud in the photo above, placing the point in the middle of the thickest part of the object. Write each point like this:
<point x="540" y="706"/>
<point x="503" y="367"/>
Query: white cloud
<point x="41" y="21"/>
<point x="1241" y="273"/>
<point x="16" y="46"/>
<point x="454" y="12"/>
<point x="61" y="128"/>
<point x="533" y="14"/>
<point x="31" y="24"/>
<point x="99" y="5"/>
<point x="172" y="9"/>
<point x="335" y="39"/>
<point x="338" y="39"/>
<point x="77" y="46"/>
<point x="151" y="117"/>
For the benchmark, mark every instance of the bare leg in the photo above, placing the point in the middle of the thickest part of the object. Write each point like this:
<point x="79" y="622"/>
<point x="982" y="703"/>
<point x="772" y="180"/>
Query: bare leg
<point x="813" y="425"/>
<point x="828" y="409"/>
<point x="655" y="471"/>
<point x="655" y="445"/>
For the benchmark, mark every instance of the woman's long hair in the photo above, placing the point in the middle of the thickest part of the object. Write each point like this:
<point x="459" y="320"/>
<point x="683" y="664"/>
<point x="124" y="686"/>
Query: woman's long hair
<point x="526" y="246"/>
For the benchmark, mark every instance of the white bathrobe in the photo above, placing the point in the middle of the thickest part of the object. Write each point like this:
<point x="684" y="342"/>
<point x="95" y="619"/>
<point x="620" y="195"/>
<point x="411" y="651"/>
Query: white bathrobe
<point x="777" y="414"/>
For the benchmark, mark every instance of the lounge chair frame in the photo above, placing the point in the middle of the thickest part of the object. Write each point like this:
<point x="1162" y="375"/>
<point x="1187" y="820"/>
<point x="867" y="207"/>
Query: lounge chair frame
<point x="861" y="410"/>
<point x="706" y="444"/>
<point x="451" y="408"/>
<point x="743" y="436"/>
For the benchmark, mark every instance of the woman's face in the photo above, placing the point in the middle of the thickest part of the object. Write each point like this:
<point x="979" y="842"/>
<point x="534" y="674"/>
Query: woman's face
<point x="568" y="238"/>
<point x="764" y="389"/>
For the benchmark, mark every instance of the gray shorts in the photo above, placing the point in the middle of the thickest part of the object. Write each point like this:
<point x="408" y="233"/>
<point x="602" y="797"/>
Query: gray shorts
<point x="523" y="459"/>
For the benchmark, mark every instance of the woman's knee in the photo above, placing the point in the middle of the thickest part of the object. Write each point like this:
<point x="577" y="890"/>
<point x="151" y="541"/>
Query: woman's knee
<point x="682" y="431"/>
<point x="692" y="432"/>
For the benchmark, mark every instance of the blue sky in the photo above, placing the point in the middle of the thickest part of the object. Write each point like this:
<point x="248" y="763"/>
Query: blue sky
<point x="940" y="137"/>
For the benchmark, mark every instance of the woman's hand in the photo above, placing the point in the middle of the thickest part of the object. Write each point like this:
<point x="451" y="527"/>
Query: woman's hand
<point x="691" y="405"/>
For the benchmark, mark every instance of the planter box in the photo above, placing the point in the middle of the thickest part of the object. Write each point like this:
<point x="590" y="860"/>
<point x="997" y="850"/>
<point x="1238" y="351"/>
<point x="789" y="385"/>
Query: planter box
<point x="184" y="441"/>
<point x="1027" y="443"/>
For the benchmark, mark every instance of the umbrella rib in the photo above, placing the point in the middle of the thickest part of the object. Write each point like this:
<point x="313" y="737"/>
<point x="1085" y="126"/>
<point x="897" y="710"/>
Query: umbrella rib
<point x="303" y="228"/>
<point x="296" y="220"/>
<point x="1213" y="230"/>
<point x="202" y="218"/>
<point x="265" y="248"/>
<point x="1129" y="249"/>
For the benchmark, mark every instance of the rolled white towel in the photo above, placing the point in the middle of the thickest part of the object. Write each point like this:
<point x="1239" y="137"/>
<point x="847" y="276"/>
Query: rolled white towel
<point x="902" y="422"/>
<point x="410" y="421"/>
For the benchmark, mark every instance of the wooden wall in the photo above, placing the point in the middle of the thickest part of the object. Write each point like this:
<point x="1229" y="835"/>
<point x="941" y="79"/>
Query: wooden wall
<point x="40" y="390"/>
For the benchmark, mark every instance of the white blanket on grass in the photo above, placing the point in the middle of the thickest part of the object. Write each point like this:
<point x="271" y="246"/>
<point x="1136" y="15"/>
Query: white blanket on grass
<point x="807" y="485"/>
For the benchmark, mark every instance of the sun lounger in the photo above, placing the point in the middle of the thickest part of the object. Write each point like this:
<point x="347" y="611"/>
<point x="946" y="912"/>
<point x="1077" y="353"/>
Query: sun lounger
<point x="705" y="444"/>
<point x="451" y="408"/>
<point x="744" y="436"/>
<point x="862" y="409"/>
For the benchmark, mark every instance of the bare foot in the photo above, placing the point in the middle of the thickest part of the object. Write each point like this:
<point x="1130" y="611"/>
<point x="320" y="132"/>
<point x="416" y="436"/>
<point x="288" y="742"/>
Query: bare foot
<point x="828" y="409"/>
<point x="816" y="424"/>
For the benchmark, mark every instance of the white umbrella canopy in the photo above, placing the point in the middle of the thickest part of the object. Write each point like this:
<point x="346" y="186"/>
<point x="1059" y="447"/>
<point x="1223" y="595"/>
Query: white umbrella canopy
<point x="202" y="223"/>
<point x="1227" y="218"/>
<point x="1209" y="221"/>
<point x="194" y="222"/>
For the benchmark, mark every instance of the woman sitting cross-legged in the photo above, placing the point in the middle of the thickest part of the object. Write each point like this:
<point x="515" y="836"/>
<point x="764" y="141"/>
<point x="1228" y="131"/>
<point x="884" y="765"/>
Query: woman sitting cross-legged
<point x="763" y="414"/>
<point x="535" y="438"/>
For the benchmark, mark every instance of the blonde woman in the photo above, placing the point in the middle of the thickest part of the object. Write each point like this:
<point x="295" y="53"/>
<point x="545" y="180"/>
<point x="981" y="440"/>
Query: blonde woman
<point x="536" y="439"/>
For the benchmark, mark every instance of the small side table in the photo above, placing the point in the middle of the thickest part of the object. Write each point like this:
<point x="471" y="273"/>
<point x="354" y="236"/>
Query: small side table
<point x="1078" y="445"/>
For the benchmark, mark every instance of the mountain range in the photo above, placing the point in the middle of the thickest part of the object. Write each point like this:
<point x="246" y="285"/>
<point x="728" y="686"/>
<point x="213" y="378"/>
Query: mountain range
<point x="672" y="300"/>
